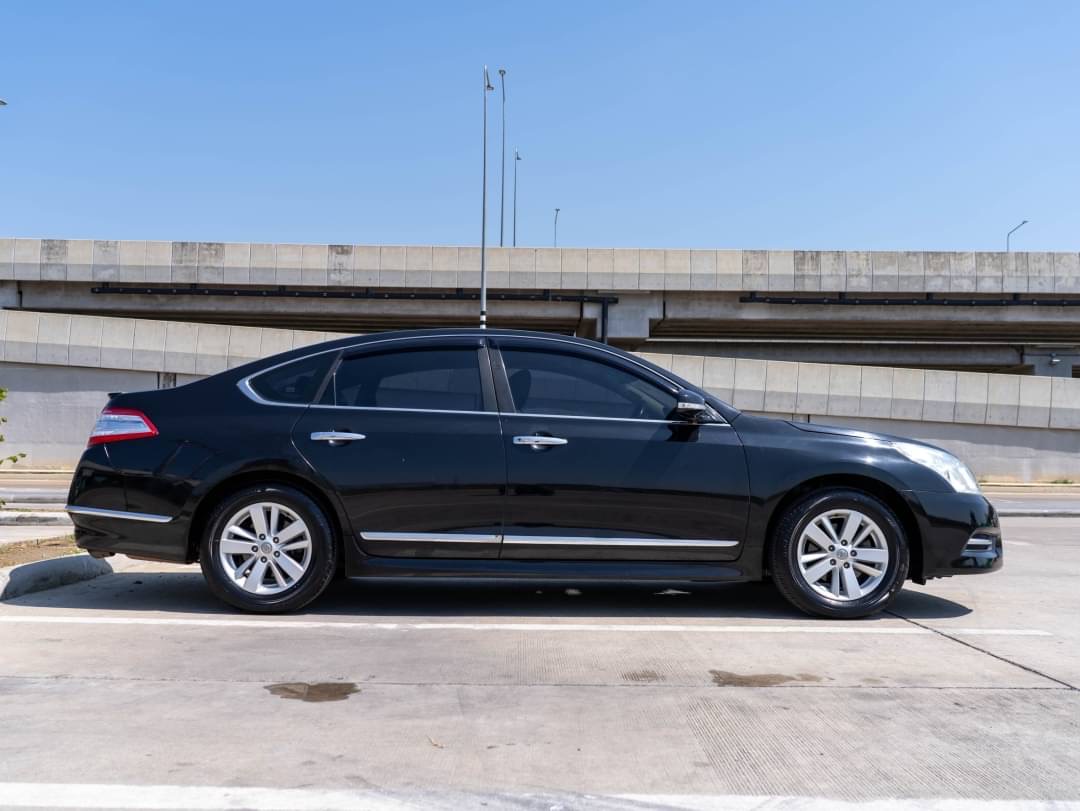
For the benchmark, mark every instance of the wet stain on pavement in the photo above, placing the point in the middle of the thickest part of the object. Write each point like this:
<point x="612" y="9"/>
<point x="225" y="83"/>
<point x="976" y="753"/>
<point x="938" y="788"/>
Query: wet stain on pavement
<point x="314" y="691"/>
<point x="723" y="678"/>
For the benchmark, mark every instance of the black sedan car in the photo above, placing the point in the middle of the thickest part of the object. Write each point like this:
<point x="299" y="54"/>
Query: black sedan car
<point x="499" y="453"/>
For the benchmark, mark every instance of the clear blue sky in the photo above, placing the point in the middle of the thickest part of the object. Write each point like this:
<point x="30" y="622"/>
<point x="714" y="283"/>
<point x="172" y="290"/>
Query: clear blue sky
<point x="924" y="125"/>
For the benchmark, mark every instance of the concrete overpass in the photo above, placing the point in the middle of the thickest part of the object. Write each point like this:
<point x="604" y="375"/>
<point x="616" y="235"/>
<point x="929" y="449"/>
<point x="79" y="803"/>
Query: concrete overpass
<point x="971" y="311"/>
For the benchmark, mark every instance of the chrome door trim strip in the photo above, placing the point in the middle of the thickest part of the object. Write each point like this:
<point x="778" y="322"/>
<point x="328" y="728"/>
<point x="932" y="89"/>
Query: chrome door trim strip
<point x="125" y="515"/>
<point x="431" y="537"/>
<point x="408" y="410"/>
<point x="557" y="540"/>
<point x="611" y="419"/>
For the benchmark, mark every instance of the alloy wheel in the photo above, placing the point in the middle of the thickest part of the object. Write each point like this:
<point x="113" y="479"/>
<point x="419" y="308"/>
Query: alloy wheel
<point x="843" y="555"/>
<point x="265" y="548"/>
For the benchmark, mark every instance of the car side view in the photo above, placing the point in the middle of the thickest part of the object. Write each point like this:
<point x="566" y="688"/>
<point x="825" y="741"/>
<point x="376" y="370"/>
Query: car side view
<point x="501" y="453"/>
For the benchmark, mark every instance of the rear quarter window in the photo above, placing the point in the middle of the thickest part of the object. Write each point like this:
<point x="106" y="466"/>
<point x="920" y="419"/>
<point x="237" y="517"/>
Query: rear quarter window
<point x="296" y="383"/>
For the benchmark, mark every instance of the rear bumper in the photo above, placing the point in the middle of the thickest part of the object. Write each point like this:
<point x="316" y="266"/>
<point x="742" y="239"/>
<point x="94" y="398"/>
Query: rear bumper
<point x="961" y="534"/>
<point x="140" y="535"/>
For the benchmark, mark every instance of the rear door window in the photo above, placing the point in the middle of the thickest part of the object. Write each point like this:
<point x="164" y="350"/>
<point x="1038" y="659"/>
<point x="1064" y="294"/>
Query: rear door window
<point x="429" y="379"/>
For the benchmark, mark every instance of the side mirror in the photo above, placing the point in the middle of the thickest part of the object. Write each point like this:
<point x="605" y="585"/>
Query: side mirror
<point x="690" y="406"/>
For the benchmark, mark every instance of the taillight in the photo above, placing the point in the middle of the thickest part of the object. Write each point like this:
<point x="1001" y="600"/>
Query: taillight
<point x="118" y="424"/>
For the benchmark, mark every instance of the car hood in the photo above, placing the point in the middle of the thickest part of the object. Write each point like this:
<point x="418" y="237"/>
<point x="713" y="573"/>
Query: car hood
<point x="869" y="436"/>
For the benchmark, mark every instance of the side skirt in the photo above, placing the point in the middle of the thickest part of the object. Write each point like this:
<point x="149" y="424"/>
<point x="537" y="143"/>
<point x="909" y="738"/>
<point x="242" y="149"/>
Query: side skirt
<point x="367" y="566"/>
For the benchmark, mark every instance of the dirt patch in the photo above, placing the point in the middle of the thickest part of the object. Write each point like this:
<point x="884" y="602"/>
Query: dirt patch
<point x="314" y="691"/>
<point x="642" y="676"/>
<point x="723" y="678"/>
<point x="12" y="554"/>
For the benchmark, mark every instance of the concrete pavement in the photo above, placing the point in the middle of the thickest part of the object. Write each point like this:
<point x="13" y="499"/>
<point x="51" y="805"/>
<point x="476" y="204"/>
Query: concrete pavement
<point x="398" y="694"/>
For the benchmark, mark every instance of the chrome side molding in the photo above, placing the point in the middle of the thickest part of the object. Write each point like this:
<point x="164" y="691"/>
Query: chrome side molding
<point x="123" y="515"/>
<point x="545" y="540"/>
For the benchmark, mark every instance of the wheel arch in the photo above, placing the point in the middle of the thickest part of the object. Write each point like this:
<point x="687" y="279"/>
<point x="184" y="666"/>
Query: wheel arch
<point x="867" y="484"/>
<point x="251" y="478"/>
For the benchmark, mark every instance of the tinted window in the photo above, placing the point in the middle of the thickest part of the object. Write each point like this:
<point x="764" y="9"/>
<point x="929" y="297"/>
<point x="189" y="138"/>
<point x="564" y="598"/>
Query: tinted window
<point x="442" y="379"/>
<point x="555" y="383"/>
<point x="296" y="382"/>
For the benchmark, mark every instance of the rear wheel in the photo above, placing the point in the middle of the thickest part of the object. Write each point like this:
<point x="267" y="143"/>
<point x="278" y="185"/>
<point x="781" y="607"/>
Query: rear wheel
<point x="839" y="553"/>
<point x="268" y="549"/>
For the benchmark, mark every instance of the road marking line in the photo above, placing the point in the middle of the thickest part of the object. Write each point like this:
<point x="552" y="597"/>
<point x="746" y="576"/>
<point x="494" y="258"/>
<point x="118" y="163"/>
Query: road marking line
<point x="212" y="798"/>
<point x="829" y="628"/>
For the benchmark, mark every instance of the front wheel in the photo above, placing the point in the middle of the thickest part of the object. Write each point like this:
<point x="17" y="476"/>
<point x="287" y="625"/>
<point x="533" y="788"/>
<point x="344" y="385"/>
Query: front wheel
<point x="839" y="553"/>
<point x="268" y="549"/>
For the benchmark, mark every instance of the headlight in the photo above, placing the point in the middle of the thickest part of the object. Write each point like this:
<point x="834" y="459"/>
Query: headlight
<point x="951" y="469"/>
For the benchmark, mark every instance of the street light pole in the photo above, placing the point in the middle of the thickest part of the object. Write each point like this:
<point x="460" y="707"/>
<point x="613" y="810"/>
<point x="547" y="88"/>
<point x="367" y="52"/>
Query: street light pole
<point x="555" y="240"/>
<point x="517" y="159"/>
<point x="483" y="212"/>
<point x="502" y="160"/>
<point x="1009" y="235"/>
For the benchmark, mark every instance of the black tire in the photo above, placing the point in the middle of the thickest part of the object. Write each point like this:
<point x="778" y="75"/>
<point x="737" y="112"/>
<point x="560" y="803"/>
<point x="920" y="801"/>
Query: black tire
<point x="321" y="567"/>
<point x="783" y="555"/>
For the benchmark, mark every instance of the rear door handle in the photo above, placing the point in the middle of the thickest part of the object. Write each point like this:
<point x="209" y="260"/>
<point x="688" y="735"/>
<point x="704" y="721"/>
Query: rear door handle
<point x="537" y="442"/>
<point x="334" y="437"/>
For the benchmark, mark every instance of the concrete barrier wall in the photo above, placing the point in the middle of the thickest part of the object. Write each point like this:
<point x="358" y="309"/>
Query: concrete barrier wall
<point x="420" y="266"/>
<point x="59" y="368"/>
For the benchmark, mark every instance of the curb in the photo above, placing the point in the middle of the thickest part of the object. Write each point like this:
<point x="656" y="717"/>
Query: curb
<point x="27" y="578"/>
<point x="1039" y="513"/>
<point x="10" y="518"/>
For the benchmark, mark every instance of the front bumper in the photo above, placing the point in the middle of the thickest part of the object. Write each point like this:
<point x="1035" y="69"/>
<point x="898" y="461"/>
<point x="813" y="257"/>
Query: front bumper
<point x="961" y="534"/>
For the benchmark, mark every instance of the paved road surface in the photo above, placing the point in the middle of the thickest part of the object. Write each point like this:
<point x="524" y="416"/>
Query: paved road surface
<point x="526" y="696"/>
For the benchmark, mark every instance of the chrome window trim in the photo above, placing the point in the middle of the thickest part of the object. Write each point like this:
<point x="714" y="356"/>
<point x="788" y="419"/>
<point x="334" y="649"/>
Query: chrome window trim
<point x="431" y="537"/>
<point x="125" y="515"/>
<point x="611" y="419"/>
<point x="559" y="540"/>
<point x="412" y="410"/>
<point x="244" y="384"/>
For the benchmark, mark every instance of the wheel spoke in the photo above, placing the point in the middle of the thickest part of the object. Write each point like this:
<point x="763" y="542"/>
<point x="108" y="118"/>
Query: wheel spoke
<point x="238" y="572"/>
<point x="818" y="536"/>
<point x="289" y="566"/>
<point x="294" y="530"/>
<point x="258" y="519"/>
<point x="851" y="526"/>
<point x="862" y="567"/>
<point x="255" y="579"/>
<point x="278" y="576"/>
<point x="275" y="518"/>
<point x="231" y="546"/>
<point x="292" y="547"/>
<point x="817" y="571"/>
<point x="835" y="583"/>
<point x="234" y="529"/>
<point x="871" y="555"/>
<point x="810" y="557"/>
<point x="851" y="584"/>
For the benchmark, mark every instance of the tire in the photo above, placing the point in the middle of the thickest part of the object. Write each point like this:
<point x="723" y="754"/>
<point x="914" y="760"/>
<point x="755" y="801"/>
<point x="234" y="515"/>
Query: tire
<point x="283" y="575"/>
<point x="845" y="588"/>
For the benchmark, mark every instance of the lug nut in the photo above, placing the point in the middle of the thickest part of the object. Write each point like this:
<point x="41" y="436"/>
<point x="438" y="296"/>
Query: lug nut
<point x="262" y="537"/>
<point x="275" y="540"/>
<point x="832" y="562"/>
<point x="847" y="565"/>
<point x="843" y="543"/>
<point x="832" y="548"/>
<point x="262" y="560"/>
<point x="277" y="554"/>
<point x="254" y="549"/>
<point x="854" y="554"/>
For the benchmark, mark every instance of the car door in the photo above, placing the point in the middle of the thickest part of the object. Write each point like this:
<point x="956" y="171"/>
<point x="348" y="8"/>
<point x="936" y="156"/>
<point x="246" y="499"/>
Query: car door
<point x="598" y="469"/>
<point x="407" y="432"/>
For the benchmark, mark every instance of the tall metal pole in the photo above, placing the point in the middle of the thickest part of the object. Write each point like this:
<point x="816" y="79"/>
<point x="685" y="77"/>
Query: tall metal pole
<point x="517" y="158"/>
<point x="483" y="213"/>
<point x="1008" y="236"/>
<point x="555" y="240"/>
<point x="502" y="161"/>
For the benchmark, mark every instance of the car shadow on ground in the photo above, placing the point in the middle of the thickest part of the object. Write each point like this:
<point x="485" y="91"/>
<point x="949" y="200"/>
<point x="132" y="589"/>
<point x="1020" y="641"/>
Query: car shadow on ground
<point x="185" y="591"/>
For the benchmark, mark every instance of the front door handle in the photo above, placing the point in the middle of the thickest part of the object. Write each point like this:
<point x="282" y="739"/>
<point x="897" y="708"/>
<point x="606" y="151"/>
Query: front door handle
<point x="537" y="442"/>
<point x="335" y="437"/>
